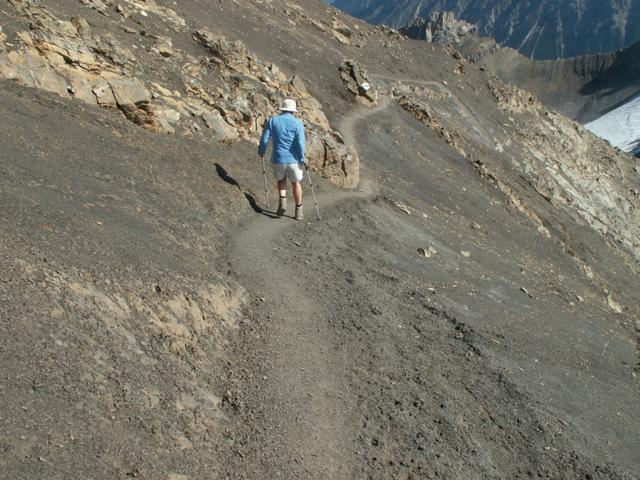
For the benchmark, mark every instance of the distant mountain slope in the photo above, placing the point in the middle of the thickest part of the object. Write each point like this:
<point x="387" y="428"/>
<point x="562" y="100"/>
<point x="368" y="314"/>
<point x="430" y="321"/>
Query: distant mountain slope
<point x="583" y="88"/>
<point x="542" y="29"/>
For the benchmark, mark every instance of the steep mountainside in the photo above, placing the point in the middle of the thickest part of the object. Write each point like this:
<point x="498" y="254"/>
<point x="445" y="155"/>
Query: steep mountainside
<point x="466" y="307"/>
<point x="543" y="29"/>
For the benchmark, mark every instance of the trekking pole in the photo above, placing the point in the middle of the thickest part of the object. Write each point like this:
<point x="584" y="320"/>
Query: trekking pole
<point x="266" y="186"/>
<point x="312" y="191"/>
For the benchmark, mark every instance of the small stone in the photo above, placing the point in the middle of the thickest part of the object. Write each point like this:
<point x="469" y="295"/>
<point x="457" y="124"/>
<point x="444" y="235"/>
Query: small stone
<point x="427" y="252"/>
<point x="613" y="304"/>
<point x="465" y="253"/>
<point x="526" y="292"/>
<point x="403" y="208"/>
<point x="580" y="298"/>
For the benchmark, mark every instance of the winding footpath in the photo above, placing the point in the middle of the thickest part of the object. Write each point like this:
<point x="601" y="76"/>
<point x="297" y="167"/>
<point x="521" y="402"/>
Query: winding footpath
<point x="307" y="400"/>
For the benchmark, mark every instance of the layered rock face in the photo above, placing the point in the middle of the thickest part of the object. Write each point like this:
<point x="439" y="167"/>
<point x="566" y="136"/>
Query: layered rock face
<point x="224" y="94"/>
<point x="541" y="29"/>
<point x="442" y="28"/>
<point x="564" y="163"/>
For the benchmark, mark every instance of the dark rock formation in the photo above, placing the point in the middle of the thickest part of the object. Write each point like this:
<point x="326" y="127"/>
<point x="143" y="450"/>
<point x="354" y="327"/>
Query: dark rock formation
<point x="442" y="28"/>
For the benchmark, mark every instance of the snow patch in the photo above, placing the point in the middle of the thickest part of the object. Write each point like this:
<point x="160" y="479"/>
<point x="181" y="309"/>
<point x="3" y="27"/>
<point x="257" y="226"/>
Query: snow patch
<point x="621" y="127"/>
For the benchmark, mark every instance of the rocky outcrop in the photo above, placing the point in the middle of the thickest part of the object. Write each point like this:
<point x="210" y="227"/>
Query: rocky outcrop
<point x="558" y="158"/>
<point x="337" y="161"/>
<point x="424" y="114"/>
<point x="442" y="28"/>
<point x="356" y="80"/>
<point x="224" y="95"/>
<point x="570" y="167"/>
<point x="512" y="99"/>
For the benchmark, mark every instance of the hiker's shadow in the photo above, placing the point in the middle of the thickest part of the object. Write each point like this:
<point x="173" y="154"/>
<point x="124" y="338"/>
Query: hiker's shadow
<point x="224" y="176"/>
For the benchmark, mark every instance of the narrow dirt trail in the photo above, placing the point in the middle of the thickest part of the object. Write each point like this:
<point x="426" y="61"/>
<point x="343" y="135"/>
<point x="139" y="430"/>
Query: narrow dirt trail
<point x="307" y="399"/>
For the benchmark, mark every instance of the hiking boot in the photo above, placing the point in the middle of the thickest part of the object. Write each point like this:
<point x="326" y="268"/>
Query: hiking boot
<point x="299" y="214"/>
<point x="282" y="206"/>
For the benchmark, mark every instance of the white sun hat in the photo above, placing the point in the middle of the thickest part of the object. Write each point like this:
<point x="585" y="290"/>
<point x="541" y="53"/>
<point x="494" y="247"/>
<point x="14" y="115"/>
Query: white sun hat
<point x="289" y="105"/>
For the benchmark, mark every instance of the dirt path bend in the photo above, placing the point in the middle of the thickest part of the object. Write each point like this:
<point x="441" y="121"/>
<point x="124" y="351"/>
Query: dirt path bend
<point x="305" y="402"/>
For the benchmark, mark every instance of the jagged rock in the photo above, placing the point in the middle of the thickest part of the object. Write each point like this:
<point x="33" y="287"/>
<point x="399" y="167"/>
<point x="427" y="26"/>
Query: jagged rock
<point x="29" y="68"/>
<point x="356" y="81"/>
<point x="213" y="120"/>
<point x="318" y="25"/>
<point x="81" y="86"/>
<point x="613" y="304"/>
<point x="233" y="55"/>
<point x="512" y="99"/>
<point x="427" y="252"/>
<point x="442" y="28"/>
<point x="164" y="47"/>
<point x="71" y="49"/>
<point x="104" y="95"/>
<point x="129" y="92"/>
<point x="341" y="32"/>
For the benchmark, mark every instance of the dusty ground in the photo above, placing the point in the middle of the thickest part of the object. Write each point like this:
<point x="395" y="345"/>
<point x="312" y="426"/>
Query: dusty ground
<point x="366" y="361"/>
<point x="158" y="322"/>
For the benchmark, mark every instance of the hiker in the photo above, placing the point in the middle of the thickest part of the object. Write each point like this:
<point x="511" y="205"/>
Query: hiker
<point x="287" y="158"/>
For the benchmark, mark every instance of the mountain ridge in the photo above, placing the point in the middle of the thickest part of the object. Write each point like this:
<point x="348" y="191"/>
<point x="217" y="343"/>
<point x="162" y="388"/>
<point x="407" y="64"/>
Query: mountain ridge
<point x="539" y="29"/>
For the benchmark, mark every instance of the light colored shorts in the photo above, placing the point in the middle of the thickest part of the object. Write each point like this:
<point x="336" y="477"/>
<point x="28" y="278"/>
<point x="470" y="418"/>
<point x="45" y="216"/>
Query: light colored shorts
<point x="292" y="171"/>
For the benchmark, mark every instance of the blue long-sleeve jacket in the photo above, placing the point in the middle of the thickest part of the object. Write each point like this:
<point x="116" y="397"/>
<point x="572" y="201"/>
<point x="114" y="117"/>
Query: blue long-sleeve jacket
<point x="287" y="135"/>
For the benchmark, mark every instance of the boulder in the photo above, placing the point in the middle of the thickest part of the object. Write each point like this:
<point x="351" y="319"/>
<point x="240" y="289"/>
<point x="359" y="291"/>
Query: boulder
<point x="356" y="81"/>
<point x="327" y="154"/>
<point x="164" y="47"/>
